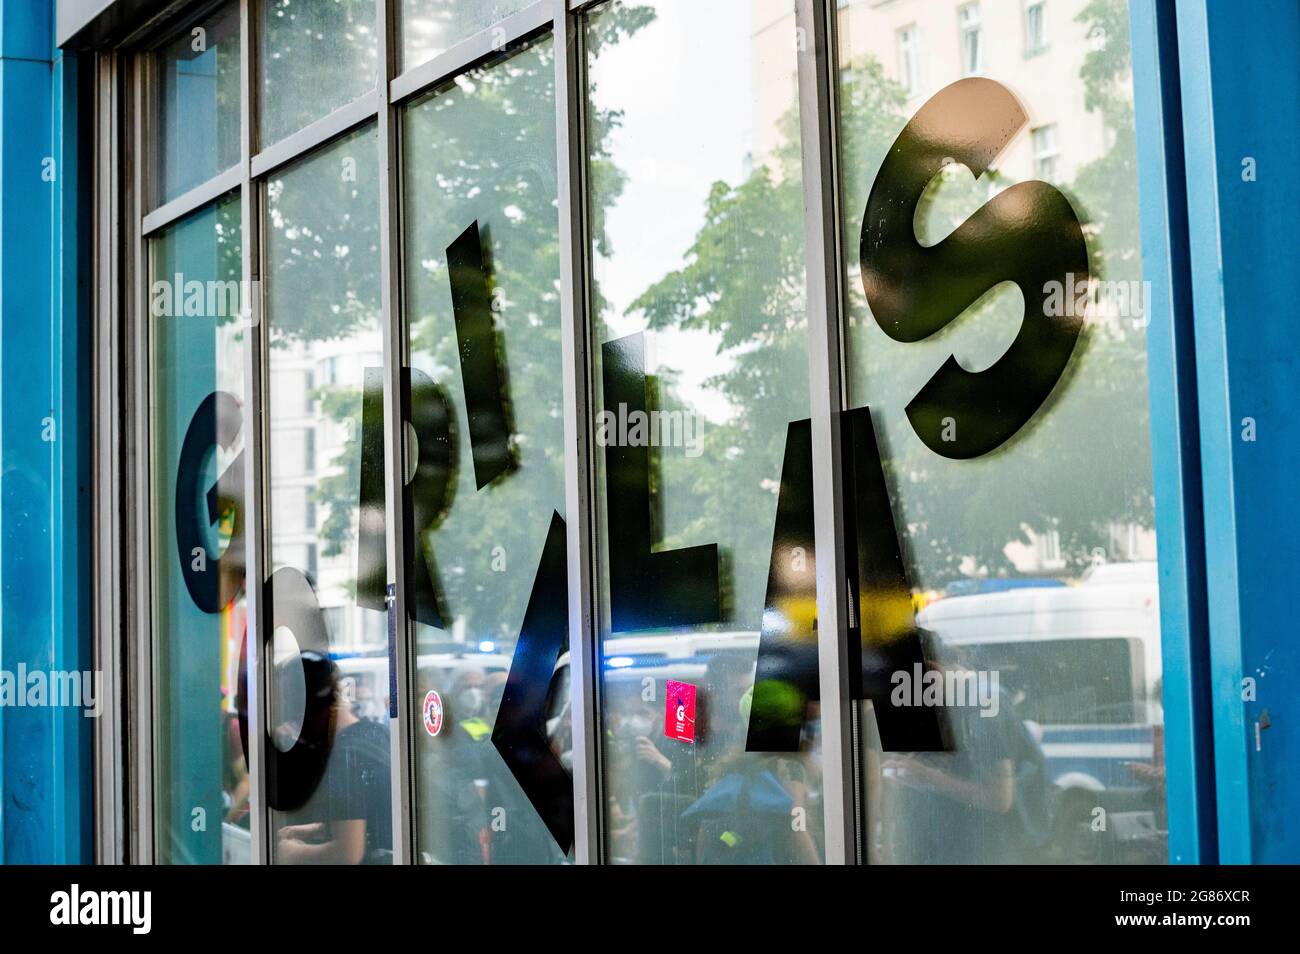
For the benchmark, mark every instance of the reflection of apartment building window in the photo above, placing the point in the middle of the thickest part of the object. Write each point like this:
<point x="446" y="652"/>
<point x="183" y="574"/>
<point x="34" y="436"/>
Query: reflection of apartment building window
<point x="291" y="509"/>
<point x="909" y="59"/>
<point x="1035" y="29"/>
<point x="336" y="622"/>
<point x="972" y="52"/>
<point x="1046" y="152"/>
<point x="1125" y="540"/>
<point x="292" y="443"/>
<point x="289" y="393"/>
<point x="309" y="451"/>
<point x="1049" y="550"/>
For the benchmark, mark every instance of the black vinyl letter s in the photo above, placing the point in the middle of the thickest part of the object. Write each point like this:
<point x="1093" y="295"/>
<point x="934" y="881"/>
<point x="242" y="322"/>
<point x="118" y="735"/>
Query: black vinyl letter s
<point x="1027" y="234"/>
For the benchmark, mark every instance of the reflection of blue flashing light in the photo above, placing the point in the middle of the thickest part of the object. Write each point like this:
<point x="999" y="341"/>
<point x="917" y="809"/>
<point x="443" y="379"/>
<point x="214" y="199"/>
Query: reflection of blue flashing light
<point x="487" y="646"/>
<point x="620" y="662"/>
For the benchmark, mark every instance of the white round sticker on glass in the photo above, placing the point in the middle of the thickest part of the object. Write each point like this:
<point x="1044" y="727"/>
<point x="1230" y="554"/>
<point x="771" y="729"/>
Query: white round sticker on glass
<point x="432" y="711"/>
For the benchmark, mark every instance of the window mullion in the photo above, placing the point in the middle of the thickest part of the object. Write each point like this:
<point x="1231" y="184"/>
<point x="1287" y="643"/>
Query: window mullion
<point x="814" y="24"/>
<point x="396" y="518"/>
<point x="256" y="633"/>
<point x="571" y="158"/>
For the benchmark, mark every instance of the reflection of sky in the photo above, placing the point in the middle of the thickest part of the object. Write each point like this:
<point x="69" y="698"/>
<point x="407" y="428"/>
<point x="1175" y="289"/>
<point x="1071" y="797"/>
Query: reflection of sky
<point x="684" y="85"/>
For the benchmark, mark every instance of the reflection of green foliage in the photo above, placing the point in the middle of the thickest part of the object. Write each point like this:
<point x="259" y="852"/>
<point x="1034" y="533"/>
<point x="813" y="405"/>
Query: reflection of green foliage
<point x="335" y="532"/>
<point x="1083" y="462"/>
<point x="317" y="55"/>
<point x="481" y="147"/>
<point x="323" y="243"/>
<point x="1107" y="186"/>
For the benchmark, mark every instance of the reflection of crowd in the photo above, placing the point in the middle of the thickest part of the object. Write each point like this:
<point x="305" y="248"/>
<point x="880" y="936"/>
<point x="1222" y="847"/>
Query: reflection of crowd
<point x="347" y="817"/>
<point x="234" y="774"/>
<point x="987" y="799"/>
<point x="472" y="811"/>
<point x="983" y="800"/>
<point x="709" y="801"/>
<point x="990" y="797"/>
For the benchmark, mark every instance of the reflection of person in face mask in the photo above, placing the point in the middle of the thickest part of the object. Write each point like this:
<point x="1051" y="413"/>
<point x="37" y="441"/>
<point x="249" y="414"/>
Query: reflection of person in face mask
<point x="347" y="819"/>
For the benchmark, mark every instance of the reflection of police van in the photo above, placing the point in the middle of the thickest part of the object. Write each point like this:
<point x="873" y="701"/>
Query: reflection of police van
<point x="680" y="656"/>
<point x="1081" y="665"/>
<point x="363" y="677"/>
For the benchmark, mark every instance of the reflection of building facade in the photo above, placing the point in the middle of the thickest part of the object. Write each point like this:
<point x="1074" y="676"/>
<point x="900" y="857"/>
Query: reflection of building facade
<point x="1035" y="48"/>
<point x="309" y="446"/>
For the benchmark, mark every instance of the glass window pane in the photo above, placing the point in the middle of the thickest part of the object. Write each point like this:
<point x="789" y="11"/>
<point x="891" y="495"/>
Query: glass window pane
<point x="315" y="56"/>
<point x="328" y="766"/>
<point x="198" y="103"/>
<point x="430" y="27"/>
<point x="197" y="370"/>
<point x="1014" y="431"/>
<point x="707" y="579"/>
<point x="482" y="243"/>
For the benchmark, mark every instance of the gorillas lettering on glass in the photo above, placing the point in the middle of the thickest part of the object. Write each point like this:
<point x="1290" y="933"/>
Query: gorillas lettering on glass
<point x="215" y="581"/>
<point x="1027" y="234"/>
<point x="520" y="729"/>
<point x="212" y="580"/>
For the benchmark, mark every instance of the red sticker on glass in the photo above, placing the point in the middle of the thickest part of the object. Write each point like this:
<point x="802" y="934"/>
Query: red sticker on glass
<point x="432" y="710"/>
<point x="679" y="711"/>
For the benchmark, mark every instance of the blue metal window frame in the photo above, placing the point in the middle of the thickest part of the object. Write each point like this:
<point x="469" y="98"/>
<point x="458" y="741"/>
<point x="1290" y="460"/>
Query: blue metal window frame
<point x="1214" y="87"/>
<point x="1240" y="94"/>
<point x="1175" y="437"/>
<point x="45" y="512"/>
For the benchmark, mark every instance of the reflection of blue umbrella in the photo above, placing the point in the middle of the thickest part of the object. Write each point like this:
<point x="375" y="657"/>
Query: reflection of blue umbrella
<point x="761" y="794"/>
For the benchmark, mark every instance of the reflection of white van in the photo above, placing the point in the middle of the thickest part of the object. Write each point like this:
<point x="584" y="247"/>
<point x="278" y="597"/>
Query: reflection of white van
<point x="236" y="845"/>
<point x="1081" y="664"/>
<point x="364" y="678"/>
<point x="1112" y="617"/>
<point x="674" y="654"/>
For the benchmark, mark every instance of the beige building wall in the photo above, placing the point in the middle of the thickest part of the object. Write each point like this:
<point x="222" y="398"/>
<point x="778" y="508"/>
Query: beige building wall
<point x="1046" y="80"/>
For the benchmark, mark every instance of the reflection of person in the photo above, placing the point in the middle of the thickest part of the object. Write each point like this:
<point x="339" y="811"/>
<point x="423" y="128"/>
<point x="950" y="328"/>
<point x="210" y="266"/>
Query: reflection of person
<point x="454" y="803"/>
<point x="748" y="816"/>
<point x="979" y="803"/>
<point x="472" y="810"/>
<point x="235" y="772"/>
<point x="712" y="802"/>
<point x="348" y="819"/>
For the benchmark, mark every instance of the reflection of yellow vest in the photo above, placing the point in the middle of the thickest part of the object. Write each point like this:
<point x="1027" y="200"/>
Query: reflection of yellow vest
<point x="476" y="728"/>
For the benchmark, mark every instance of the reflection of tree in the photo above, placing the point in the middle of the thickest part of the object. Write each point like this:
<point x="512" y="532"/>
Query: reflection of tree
<point x="317" y="55"/>
<point x="483" y="147"/>
<point x="1085" y="460"/>
<point x="323" y="218"/>
<point x="323" y="285"/>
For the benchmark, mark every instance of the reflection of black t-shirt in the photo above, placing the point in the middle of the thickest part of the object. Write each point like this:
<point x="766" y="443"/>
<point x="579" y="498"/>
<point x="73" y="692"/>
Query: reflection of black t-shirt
<point x="357" y="784"/>
<point x="949" y="830"/>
